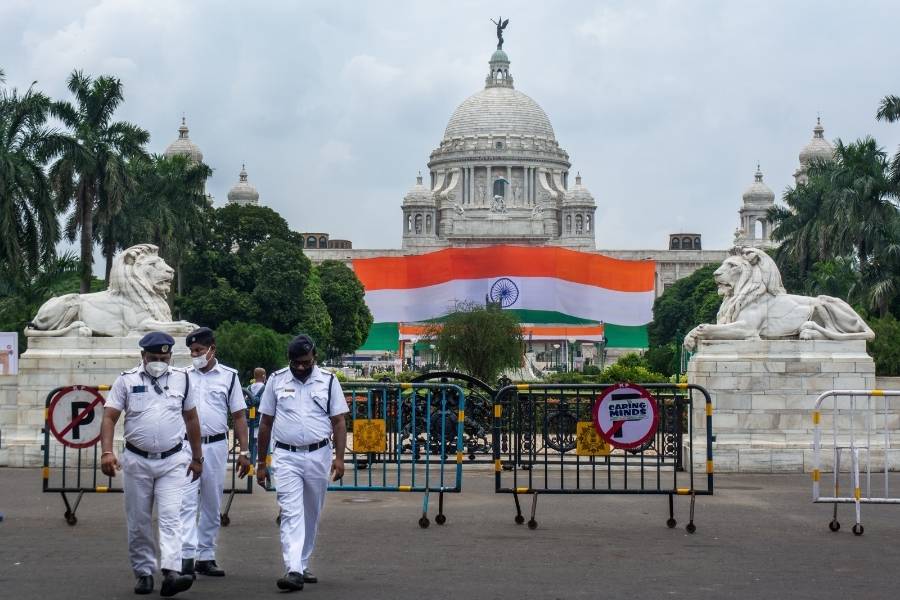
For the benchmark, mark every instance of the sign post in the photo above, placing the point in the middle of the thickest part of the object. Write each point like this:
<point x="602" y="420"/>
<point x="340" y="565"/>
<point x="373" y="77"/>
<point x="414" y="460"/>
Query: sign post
<point x="626" y="415"/>
<point x="74" y="416"/>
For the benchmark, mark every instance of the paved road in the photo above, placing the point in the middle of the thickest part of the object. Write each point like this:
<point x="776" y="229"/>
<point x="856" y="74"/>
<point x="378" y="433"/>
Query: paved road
<point x="759" y="537"/>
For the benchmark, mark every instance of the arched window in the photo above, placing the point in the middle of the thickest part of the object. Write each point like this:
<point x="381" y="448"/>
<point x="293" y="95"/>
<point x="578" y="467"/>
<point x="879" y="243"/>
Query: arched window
<point x="687" y="244"/>
<point x="427" y="223"/>
<point x="323" y="242"/>
<point x="579" y="224"/>
<point x="696" y="243"/>
<point x="587" y="223"/>
<point x="568" y="223"/>
<point x="409" y="224"/>
<point x="311" y="242"/>
<point x="758" y="229"/>
<point x="418" y="224"/>
<point x="676" y="244"/>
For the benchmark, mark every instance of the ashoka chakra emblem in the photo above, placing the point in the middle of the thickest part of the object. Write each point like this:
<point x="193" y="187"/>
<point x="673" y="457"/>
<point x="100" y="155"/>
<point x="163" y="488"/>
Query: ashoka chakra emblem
<point x="504" y="292"/>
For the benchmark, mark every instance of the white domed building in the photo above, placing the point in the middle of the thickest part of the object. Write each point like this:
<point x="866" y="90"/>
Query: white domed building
<point x="243" y="192"/>
<point x="498" y="176"/>
<point x="183" y="146"/>
<point x="756" y="229"/>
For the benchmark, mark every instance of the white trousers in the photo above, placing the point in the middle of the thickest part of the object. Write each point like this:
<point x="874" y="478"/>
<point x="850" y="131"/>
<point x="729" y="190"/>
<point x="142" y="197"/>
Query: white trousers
<point x="301" y="479"/>
<point x="146" y="481"/>
<point x="199" y="532"/>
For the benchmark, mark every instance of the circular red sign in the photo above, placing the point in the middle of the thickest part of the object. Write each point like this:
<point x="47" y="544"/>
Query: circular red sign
<point x="74" y="416"/>
<point x="626" y="415"/>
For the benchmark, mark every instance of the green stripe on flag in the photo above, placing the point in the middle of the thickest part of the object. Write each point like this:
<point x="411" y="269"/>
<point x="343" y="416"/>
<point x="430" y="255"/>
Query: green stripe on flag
<point x="382" y="336"/>
<point x="624" y="336"/>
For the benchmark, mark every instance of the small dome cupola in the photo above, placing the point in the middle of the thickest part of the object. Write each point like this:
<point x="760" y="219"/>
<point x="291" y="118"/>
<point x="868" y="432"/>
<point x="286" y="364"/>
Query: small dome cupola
<point x="243" y="192"/>
<point x="183" y="146"/>
<point x="758" y="192"/>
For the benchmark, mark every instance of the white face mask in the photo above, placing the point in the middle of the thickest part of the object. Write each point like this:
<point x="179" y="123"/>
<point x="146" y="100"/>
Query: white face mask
<point x="156" y="369"/>
<point x="201" y="361"/>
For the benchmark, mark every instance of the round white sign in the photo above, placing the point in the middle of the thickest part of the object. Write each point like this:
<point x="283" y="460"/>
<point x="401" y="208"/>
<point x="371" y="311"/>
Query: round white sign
<point x="626" y="415"/>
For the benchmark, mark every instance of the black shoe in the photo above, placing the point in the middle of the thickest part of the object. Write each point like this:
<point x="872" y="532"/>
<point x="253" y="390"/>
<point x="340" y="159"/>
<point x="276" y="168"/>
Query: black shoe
<point x="209" y="568"/>
<point x="308" y="577"/>
<point x="174" y="582"/>
<point x="187" y="567"/>
<point x="292" y="582"/>
<point x="144" y="585"/>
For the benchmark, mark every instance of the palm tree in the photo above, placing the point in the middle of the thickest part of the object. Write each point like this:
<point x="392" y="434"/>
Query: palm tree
<point x="862" y="203"/>
<point x="28" y="225"/>
<point x="169" y="206"/>
<point x="91" y="169"/>
<point x="802" y="226"/>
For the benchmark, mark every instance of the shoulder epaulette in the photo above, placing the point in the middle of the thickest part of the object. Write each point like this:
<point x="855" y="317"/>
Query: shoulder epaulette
<point x="227" y="368"/>
<point x="280" y="371"/>
<point x="130" y="371"/>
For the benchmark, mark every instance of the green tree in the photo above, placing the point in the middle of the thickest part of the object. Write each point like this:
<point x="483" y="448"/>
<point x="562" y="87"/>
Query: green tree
<point x="478" y="340"/>
<point x="344" y="297"/>
<point x="245" y="346"/>
<point x="684" y="305"/>
<point x="168" y="208"/>
<point x="282" y="274"/>
<point x="216" y="303"/>
<point x="243" y="228"/>
<point x="884" y="348"/>
<point x="28" y="224"/>
<point x="314" y="318"/>
<point x="91" y="171"/>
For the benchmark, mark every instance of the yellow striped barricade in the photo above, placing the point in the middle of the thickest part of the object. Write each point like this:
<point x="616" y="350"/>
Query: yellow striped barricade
<point x="860" y="423"/>
<point x="71" y="449"/>
<point x="621" y="438"/>
<point x="403" y="437"/>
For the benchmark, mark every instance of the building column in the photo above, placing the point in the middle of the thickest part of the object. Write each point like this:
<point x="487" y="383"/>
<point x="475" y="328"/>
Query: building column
<point x="525" y="173"/>
<point x="508" y="187"/>
<point x="489" y="187"/>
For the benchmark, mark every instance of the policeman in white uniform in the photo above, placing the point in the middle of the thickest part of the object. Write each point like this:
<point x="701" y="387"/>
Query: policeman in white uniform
<point x="217" y="392"/>
<point x="158" y="408"/>
<point x="302" y="407"/>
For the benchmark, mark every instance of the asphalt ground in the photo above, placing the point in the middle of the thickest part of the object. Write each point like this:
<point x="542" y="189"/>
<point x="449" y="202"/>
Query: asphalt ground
<point x="758" y="537"/>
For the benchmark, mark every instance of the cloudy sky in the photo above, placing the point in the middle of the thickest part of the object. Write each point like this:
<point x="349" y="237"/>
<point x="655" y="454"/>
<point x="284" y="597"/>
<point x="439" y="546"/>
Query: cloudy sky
<point x="665" y="107"/>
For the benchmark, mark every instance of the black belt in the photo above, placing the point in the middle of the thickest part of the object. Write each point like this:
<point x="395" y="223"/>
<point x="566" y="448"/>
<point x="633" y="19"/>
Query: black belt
<point x="309" y="448"/>
<point x="156" y="455"/>
<point x="212" y="438"/>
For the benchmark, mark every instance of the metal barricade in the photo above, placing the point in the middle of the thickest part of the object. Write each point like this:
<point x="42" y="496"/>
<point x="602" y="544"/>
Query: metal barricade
<point x="71" y="450"/>
<point x="235" y="485"/>
<point x="403" y="437"/>
<point x="72" y="456"/>
<point x="860" y="421"/>
<point x="546" y="442"/>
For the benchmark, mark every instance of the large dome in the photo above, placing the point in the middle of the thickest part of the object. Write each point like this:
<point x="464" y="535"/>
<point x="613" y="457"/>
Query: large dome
<point x="243" y="192"/>
<point x="499" y="111"/>
<point x="758" y="192"/>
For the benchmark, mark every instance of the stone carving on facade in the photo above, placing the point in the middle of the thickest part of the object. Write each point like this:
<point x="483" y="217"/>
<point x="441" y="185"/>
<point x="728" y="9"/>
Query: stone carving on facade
<point x="498" y="205"/>
<point x="134" y="304"/>
<point x="756" y="306"/>
<point x="458" y="209"/>
<point x="538" y="211"/>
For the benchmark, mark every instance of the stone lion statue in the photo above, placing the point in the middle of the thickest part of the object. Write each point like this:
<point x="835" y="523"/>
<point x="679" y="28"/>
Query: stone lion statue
<point x="756" y="306"/>
<point x="134" y="304"/>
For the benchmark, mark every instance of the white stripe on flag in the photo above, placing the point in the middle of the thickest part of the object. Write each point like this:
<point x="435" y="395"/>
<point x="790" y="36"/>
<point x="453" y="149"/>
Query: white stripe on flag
<point x="535" y="293"/>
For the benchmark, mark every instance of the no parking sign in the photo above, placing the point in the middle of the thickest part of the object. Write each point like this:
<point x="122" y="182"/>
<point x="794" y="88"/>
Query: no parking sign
<point x="74" y="416"/>
<point x="626" y="415"/>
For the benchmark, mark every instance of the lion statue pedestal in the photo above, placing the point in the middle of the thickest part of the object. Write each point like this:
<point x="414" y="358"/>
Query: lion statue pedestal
<point x="88" y="339"/>
<point x="766" y="360"/>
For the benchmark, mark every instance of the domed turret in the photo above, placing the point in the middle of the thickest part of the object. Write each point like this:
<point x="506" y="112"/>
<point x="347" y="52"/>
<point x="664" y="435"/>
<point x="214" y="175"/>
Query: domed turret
<point x="183" y="146"/>
<point x="758" y="192"/>
<point x="756" y="229"/>
<point x="243" y="192"/>
<point x="818" y="147"/>
<point x="579" y="194"/>
<point x="418" y="194"/>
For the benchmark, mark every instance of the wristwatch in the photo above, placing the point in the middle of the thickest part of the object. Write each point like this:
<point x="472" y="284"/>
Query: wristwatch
<point x="244" y="453"/>
<point x="198" y="460"/>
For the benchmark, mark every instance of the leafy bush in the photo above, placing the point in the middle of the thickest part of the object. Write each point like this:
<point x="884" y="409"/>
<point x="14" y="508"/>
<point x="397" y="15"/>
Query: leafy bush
<point x="245" y="346"/>
<point x="884" y="348"/>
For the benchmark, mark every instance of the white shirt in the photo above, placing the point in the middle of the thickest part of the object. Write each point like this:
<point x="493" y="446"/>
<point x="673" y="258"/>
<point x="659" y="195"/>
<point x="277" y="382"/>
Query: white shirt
<point x="210" y="392"/>
<point x="299" y="408"/>
<point x="153" y="422"/>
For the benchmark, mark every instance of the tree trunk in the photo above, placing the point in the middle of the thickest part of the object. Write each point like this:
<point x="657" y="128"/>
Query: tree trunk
<point x="85" y="204"/>
<point x="109" y="250"/>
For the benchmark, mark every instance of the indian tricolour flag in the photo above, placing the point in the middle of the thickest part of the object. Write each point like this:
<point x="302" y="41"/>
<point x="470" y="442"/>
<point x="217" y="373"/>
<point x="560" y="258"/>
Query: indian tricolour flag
<point x="541" y="285"/>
